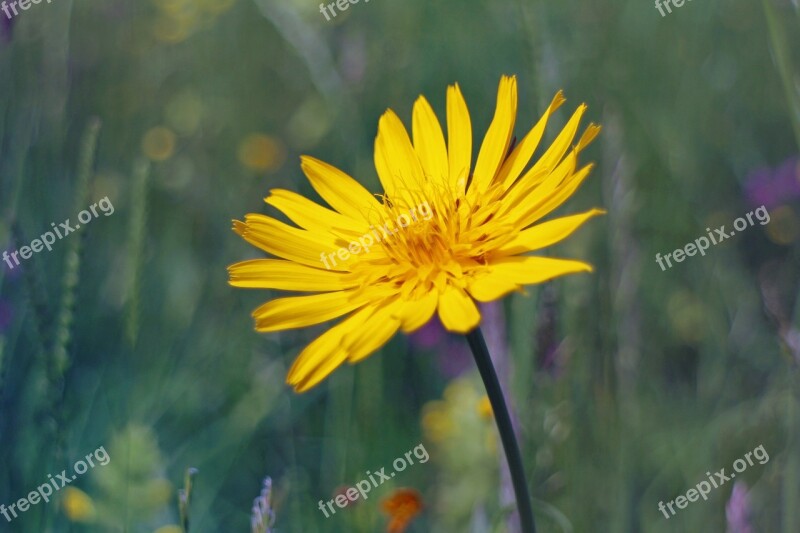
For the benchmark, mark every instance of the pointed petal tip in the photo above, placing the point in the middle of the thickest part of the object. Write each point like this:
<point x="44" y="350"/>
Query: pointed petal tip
<point x="557" y="101"/>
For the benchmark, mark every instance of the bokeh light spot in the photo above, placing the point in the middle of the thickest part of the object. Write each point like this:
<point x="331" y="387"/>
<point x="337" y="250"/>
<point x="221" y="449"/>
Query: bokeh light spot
<point x="158" y="143"/>
<point x="261" y="152"/>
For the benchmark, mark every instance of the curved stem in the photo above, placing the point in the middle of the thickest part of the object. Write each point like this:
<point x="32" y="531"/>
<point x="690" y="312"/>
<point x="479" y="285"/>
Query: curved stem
<point x="501" y="416"/>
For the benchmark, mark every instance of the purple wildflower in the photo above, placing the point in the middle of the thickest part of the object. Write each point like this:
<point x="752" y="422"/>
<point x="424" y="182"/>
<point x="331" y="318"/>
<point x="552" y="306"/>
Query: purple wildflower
<point x="771" y="187"/>
<point x="737" y="510"/>
<point x="429" y="335"/>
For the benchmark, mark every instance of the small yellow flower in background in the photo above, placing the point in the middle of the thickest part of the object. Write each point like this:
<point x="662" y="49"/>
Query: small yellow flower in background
<point x="464" y="450"/>
<point x="485" y="408"/>
<point x="262" y="152"/>
<point x="158" y="143"/>
<point x="455" y="423"/>
<point x="437" y="422"/>
<point x="78" y="506"/>
<point x="469" y="244"/>
<point x="402" y="506"/>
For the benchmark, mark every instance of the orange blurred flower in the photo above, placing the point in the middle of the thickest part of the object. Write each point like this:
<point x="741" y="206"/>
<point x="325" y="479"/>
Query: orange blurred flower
<point x="402" y="506"/>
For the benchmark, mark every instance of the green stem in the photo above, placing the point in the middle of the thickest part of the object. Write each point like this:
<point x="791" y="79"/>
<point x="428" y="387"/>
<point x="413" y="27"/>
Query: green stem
<point x="501" y="416"/>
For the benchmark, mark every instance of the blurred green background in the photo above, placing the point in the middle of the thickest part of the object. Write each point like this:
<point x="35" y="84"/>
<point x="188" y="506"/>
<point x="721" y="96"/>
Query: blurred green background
<point x="627" y="384"/>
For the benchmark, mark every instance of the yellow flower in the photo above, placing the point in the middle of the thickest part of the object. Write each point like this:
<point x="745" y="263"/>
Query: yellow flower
<point x="445" y="235"/>
<point x="78" y="506"/>
<point x="437" y="422"/>
<point x="484" y="408"/>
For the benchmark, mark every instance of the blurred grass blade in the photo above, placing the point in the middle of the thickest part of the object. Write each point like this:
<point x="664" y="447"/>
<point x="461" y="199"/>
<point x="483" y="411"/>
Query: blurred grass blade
<point x="136" y="234"/>
<point x="783" y="60"/>
<point x="37" y="296"/>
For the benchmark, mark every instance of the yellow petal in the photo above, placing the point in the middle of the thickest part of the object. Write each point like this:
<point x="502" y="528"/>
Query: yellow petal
<point x="302" y="311"/>
<point x="558" y="197"/>
<point x="488" y="288"/>
<point x="282" y="240"/>
<point x="377" y="330"/>
<point x="526" y="270"/>
<point x="562" y="143"/>
<point x="324" y="354"/>
<point x="534" y="189"/>
<point x="414" y="314"/>
<point x="287" y="276"/>
<point x="459" y="139"/>
<point x="498" y="136"/>
<point x="522" y="153"/>
<point x="397" y="163"/>
<point x="312" y="216"/>
<point x="457" y="311"/>
<point x="592" y="131"/>
<point x="429" y="142"/>
<point x="342" y="192"/>
<point x="548" y="233"/>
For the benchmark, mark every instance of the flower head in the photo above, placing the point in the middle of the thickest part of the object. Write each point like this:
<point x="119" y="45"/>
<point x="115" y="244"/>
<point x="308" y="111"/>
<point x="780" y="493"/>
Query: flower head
<point x="78" y="506"/>
<point x="444" y="234"/>
<point x="402" y="506"/>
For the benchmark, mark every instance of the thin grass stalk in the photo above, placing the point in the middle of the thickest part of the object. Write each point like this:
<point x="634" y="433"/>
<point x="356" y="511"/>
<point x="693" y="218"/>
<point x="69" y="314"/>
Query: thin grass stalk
<point x="59" y="360"/>
<point x="72" y="264"/>
<point x="136" y="234"/>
